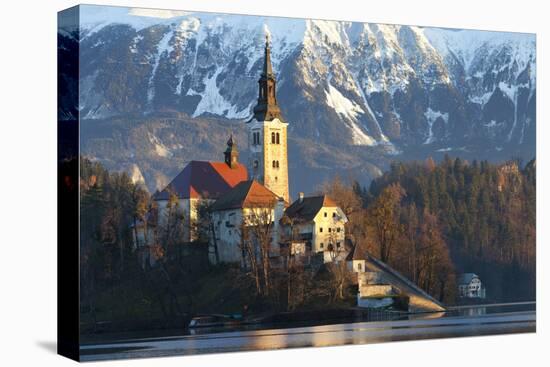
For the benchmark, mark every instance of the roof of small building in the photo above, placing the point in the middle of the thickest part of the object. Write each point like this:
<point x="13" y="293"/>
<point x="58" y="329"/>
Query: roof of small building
<point x="357" y="251"/>
<point x="307" y="208"/>
<point x="202" y="179"/>
<point x="246" y="194"/>
<point x="466" y="278"/>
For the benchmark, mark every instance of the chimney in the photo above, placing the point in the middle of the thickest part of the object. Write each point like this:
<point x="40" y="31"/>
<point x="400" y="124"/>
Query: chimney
<point x="301" y="197"/>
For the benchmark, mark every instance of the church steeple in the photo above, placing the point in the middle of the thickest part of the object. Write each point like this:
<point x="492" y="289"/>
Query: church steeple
<point x="267" y="108"/>
<point x="267" y="135"/>
<point x="231" y="153"/>
<point x="268" y="70"/>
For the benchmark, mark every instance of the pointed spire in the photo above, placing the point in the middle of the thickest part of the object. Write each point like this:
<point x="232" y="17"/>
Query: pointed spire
<point x="267" y="108"/>
<point x="230" y="141"/>
<point x="268" y="70"/>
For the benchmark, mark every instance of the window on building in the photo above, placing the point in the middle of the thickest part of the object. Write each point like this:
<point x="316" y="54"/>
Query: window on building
<point x="329" y="230"/>
<point x="255" y="138"/>
<point x="326" y="214"/>
<point x="273" y="164"/>
<point x="277" y="138"/>
<point x="256" y="164"/>
<point x="359" y="266"/>
<point x="334" y="215"/>
<point x="321" y="245"/>
<point x="337" y="244"/>
<point x="338" y="229"/>
<point x="320" y="229"/>
<point x="272" y="138"/>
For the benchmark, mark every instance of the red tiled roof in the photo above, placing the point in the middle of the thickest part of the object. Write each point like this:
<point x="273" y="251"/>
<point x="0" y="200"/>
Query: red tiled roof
<point x="247" y="194"/>
<point x="201" y="179"/>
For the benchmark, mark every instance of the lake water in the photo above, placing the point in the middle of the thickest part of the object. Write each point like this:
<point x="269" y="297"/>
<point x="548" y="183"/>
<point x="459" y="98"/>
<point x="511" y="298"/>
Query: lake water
<point x="457" y="322"/>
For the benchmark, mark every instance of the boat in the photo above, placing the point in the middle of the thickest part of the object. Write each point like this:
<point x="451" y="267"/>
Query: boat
<point x="215" y="320"/>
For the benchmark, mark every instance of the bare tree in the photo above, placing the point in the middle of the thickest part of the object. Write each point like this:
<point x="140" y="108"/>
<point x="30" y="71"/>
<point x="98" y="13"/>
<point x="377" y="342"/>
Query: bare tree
<point x="205" y="226"/>
<point x="338" y="267"/>
<point x="171" y="226"/>
<point x="257" y="240"/>
<point x="298" y="281"/>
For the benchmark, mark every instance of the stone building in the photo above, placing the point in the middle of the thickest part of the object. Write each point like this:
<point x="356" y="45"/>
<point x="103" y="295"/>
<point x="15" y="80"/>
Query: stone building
<point x="267" y="135"/>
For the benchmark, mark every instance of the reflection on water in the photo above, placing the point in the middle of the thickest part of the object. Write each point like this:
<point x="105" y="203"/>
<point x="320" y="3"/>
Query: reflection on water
<point x="473" y="311"/>
<point x="460" y="321"/>
<point x="478" y="310"/>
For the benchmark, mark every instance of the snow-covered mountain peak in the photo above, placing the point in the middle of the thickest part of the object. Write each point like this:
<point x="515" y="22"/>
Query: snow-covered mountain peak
<point x="466" y="44"/>
<point x="364" y="83"/>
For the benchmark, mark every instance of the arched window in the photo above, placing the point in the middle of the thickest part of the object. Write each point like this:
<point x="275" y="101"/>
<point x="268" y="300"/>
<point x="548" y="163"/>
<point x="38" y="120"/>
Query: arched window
<point x="274" y="164"/>
<point x="272" y="138"/>
<point x="277" y="164"/>
<point x="277" y="138"/>
<point x="255" y="138"/>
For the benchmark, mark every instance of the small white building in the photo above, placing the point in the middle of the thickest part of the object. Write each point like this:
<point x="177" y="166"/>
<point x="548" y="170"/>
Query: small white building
<point x="316" y="224"/>
<point x="356" y="261"/>
<point x="469" y="286"/>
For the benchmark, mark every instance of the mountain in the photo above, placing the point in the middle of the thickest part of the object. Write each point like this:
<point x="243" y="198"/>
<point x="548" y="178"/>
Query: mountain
<point x="356" y="95"/>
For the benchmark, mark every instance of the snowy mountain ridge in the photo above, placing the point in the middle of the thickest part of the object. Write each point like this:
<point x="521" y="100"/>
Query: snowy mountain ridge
<point x="344" y="82"/>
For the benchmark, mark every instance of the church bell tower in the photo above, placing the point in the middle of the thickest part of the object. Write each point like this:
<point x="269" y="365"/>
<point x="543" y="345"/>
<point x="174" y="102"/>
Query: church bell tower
<point x="267" y="135"/>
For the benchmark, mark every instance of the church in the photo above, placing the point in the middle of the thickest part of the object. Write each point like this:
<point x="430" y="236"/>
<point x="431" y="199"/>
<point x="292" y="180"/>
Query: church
<point x="242" y="197"/>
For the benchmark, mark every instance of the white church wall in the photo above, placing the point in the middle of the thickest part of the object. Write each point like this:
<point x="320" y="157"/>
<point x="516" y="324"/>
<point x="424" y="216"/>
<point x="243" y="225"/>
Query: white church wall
<point x="227" y="225"/>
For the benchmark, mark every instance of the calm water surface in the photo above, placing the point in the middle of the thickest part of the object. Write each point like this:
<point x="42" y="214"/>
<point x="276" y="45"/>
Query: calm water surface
<point x="457" y="322"/>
